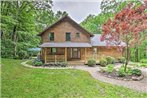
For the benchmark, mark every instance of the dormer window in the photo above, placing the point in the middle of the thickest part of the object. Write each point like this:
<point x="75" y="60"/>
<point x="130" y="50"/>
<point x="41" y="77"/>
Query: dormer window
<point x="51" y="36"/>
<point x="77" y="35"/>
<point x="68" y="37"/>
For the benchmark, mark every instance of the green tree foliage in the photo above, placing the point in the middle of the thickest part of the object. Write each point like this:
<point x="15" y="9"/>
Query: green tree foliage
<point x="21" y="21"/>
<point x="93" y="23"/>
<point x="109" y="8"/>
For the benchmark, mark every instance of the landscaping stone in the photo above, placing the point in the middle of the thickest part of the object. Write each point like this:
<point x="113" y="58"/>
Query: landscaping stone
<point x="137" y="78"/>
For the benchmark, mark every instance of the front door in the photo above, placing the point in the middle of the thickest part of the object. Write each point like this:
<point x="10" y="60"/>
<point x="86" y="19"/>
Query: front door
<point x="75" y="53"/>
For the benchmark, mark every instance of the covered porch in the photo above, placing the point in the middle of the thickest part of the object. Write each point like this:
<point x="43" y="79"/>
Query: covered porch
<point x="64" y="54"/>
<point x="61" y="52"/>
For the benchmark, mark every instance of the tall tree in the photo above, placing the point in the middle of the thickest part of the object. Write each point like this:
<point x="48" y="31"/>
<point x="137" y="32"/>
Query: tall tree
<point x="17" y="13"/>
<point x="109" y="6"/>
<point x="21" y="21"/>
<point x="128" y="26"/>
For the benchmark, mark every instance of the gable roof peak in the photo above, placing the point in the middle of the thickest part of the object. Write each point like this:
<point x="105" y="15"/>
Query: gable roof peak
<point x="66" y="17"/>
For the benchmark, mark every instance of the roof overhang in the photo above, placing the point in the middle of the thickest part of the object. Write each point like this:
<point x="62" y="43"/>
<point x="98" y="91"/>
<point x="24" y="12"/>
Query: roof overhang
<point x="65" y="44"/>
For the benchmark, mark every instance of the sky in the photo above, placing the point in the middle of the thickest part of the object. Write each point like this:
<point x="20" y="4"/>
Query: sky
<point x="78" y="10"/>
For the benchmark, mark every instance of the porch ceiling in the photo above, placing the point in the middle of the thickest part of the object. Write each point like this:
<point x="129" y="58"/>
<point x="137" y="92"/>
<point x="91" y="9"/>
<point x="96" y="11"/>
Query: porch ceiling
<point x="65" y="44"/>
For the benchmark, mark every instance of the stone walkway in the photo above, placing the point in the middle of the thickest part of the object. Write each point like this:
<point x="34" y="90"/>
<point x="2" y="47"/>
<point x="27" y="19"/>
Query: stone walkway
<point x="136" y="85"/>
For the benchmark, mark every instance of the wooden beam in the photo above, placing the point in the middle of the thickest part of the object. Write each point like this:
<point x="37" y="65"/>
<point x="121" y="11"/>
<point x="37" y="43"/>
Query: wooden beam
<point x="55" y="59"/>
<point x="65" y="54"/>
<point x="45" y="55"/>
<point x="85" y="54"/>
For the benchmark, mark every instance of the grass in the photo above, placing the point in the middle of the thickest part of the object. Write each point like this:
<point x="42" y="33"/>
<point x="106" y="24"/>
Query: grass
<point x="30" y="62"/>
<point x="139" y="64"/>
<point x="22" y="82"/>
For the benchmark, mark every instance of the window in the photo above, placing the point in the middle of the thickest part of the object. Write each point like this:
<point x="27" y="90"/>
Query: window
<point x="68" y="37"/>
<point x="53" y="50"/>
<point x="51" y="36"/>
<point x="77" y="35"/>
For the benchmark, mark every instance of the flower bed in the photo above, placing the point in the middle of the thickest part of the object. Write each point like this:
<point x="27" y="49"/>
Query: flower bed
<point x="119" y="74"/>
<point x="39" y="63"/>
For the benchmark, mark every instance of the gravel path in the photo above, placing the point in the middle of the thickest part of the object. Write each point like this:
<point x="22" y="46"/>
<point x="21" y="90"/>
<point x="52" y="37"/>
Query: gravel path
<point x="136" y="85"/>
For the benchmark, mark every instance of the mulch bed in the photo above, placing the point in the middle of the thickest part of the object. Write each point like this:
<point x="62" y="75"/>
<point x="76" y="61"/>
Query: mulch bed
<point x="114" y="75"/>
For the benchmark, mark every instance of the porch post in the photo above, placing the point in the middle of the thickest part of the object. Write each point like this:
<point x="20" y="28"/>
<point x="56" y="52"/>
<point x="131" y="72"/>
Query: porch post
<point x="65" y="54"/>
<point x="55" y="59"/>
<point x="45" y="54"/>
<point x="85" y="54"/>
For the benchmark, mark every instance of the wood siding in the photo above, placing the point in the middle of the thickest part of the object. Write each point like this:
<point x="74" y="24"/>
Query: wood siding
<point x="60" y="33"/>
<point x="88" y="54"/>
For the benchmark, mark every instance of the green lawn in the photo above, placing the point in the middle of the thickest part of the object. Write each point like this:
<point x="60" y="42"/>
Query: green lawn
<point x="21" y="82"/>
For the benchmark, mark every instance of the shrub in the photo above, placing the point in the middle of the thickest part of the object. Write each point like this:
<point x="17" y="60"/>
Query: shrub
<point x="143" y="60"/>
<point x="121" y="72"/>
<point x="110" y="68"/>
<point x="64" y="64"/>
<point x="103" y="62"/>
<point x="121" y="59"/>
<point x="136" y="72"/>
<point x="57" y="64"/>
<point x="37" y="62"/>
<point x="110" y="60"/>
<point x="129" y="71"/>
<point x="91" y="62"/>
<point x="22" y="54"/>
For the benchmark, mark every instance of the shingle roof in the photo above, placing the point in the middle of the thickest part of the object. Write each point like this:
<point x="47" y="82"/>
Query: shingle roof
<point x="65" y="44"/>
<point x="95" y="41"/>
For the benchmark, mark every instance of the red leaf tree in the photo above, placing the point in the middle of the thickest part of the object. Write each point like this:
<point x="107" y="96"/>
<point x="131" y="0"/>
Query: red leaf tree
<point x="128" y="26"/>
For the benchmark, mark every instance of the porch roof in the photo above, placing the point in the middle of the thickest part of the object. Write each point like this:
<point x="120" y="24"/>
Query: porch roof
<point x="65" y="44"/>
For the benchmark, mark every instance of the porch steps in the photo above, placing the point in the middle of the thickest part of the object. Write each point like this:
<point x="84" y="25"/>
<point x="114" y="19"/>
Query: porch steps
<point x="75" y="63"/>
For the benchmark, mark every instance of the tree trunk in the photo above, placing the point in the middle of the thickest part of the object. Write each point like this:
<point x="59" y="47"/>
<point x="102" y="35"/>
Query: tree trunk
<point x="127" y="57"/>
<point x="14" y="39"/>
<point x="136" y="54"/>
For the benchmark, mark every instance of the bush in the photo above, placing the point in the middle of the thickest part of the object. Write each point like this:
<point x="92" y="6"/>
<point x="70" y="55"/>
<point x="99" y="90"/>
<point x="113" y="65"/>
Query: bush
<point x="23" y="54"/>
<point x="121" y="59"/>
<point x="110" y="60"/>
<point x="37" y="62"/>
<point x="91" y="62"/>
<point x="57" y="64"/>
<point x="103" y="62"/>
<point x="143" y="60"/>
<point x="121" y="72"/>
<point x="63" y="64"/>
<point x="110" y="68"/>
<point x="129" y="70"/>
<point x="136" y="72"/>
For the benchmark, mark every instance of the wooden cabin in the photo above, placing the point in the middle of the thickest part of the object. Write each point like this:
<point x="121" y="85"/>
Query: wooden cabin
<point x="66" y="40"/>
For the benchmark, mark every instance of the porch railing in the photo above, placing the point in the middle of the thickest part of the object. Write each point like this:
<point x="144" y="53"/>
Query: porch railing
<point x="55" y="58"/>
